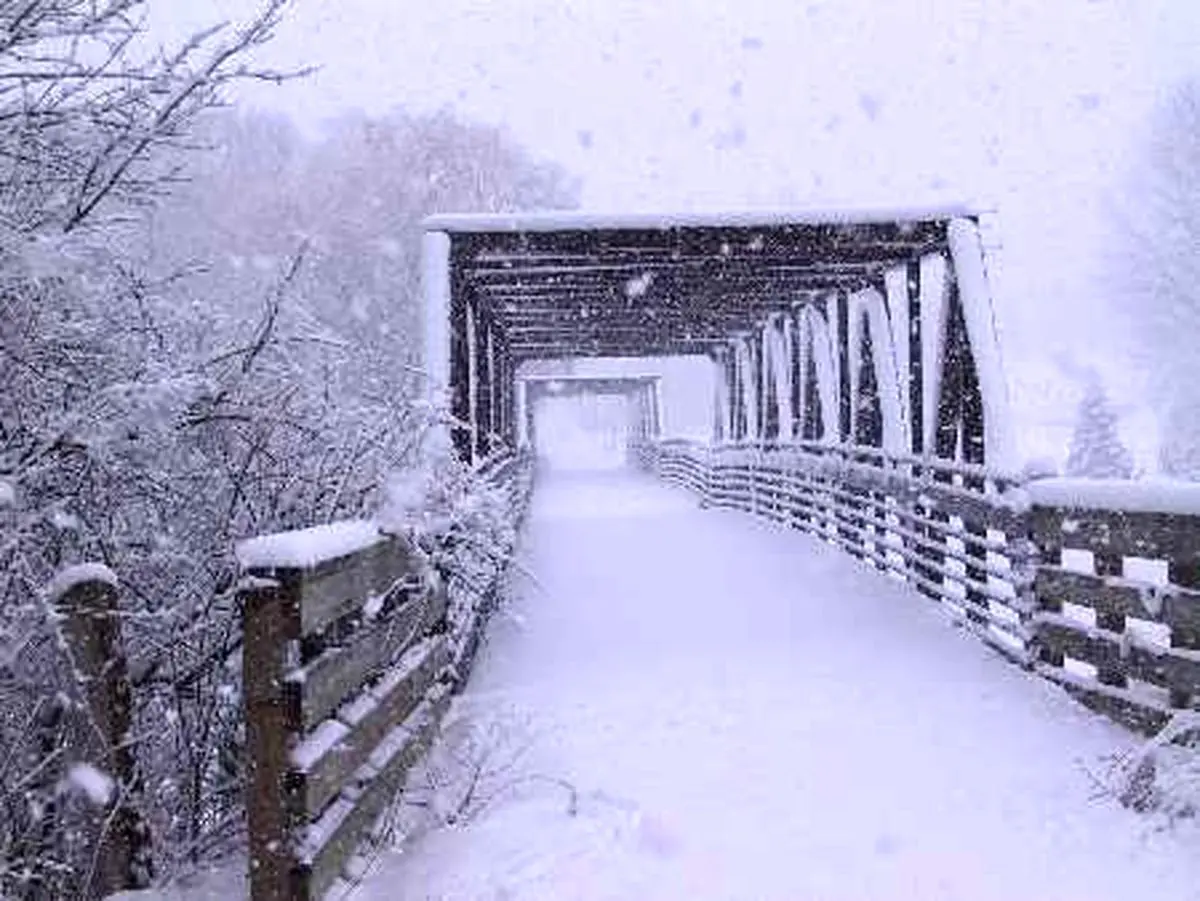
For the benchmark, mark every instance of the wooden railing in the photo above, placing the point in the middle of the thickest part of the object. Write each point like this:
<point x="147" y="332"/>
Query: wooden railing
<point x="1118" y="591"/>
<point x="1096" y="586"/>
<point x="350" y="659"/>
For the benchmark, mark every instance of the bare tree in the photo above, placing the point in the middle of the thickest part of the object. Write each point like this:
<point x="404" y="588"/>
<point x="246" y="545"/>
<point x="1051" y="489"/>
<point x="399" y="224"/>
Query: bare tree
<point x="87" y="108"/>
<point x="86" y="104"/>
<point x="193" y="362"/>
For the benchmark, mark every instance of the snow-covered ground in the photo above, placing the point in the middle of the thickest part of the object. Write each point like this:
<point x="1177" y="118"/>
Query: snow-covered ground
<point x="740" y="712"/>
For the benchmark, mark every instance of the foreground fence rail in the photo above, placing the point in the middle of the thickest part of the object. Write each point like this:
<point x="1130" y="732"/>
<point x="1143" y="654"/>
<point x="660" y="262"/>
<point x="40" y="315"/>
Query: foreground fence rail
<point x="1095" y="585"/>
<point x="351" y="656"/>
<point x="1118" y="591"/>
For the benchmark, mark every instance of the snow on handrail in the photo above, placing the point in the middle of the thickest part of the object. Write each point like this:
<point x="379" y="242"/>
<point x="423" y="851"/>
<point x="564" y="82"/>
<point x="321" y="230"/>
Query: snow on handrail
<point x="926" y="462"/>
<point x="1124" y="495"/>
<point x="746" y="218"/>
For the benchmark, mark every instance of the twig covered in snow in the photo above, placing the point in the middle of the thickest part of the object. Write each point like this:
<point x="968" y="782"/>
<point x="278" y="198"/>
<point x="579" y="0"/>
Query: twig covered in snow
<point x="153" y="413"/>
<point x="1163" y="774"/>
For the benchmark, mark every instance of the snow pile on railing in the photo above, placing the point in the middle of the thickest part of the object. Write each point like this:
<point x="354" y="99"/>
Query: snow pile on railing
<point x="305" y="548"/>
<point x="441" y="503"/>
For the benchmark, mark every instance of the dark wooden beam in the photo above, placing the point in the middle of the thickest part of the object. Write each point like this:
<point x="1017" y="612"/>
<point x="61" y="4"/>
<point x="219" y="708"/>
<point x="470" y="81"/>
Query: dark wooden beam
<point x="611" y="348"/>
<point x="843" y="351"/>
<point x="677" y="278"/>
<point x="541" y="313"/>
<point x="460" y="365"/>
<point x="554" y="294"/>
<point x="617" y="270"/>
<point x="483" y="384"/>
<point x="652" y="319"/>
<point x="799" y="242"/>
<point x="916" y="371"/>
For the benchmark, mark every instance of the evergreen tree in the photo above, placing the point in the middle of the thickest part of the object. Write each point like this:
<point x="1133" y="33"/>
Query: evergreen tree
<point x="1097" y="451"/>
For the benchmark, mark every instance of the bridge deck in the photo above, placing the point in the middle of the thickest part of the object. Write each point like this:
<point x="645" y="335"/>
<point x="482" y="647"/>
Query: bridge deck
<point x="748" y="714"/>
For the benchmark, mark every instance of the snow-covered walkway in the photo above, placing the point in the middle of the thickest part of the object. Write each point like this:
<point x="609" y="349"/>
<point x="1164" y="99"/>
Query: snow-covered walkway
<point x="746" y="713"/>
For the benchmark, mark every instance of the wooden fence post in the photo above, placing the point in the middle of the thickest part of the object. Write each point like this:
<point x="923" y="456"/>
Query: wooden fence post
<point x="271" y="648"/>
<point x="92" y="633"/>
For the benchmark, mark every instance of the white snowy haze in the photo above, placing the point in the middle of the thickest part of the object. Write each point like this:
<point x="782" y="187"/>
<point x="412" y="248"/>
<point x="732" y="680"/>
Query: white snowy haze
<point x="1034" y="108"/>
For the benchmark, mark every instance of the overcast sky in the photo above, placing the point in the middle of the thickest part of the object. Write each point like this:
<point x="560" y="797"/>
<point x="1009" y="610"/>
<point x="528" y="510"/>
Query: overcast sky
<point x="705" y="102"/>
<point x="1031" y="107"/>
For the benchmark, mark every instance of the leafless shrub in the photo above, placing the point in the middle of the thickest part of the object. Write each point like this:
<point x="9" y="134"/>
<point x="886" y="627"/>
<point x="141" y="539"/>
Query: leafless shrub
<point x="187" y="362"/>
<point x="1162" y="775"/>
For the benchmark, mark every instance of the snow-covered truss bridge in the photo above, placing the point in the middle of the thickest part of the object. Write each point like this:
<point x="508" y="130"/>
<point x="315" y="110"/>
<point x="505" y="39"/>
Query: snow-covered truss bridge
<point x="864" y="328"/>
<point x="859" y="394"/>
<point x="859" y="406"/>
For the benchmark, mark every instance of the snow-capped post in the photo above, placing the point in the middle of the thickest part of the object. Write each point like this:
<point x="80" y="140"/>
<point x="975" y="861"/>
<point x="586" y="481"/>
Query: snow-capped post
<point x="270" y="633"/>
<point x="104" y="769"/>
<point x="435" y="259"/>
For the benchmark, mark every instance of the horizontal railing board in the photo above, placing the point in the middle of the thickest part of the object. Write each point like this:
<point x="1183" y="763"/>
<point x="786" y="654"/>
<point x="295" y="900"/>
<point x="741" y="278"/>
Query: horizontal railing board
<point x="1138" y="712"/>
<point x="339" y="672"/>
<point x="962" y="579"/>
<point x="400" y="690"/>
<point x="1055" y="585"/>
<point x="1162" y="536"/>
<point x="1119" y="652"/>
<point x="331" y="841"/>
<point x="944" y="498"/>
<point x="339" y="587"/>
<point x="316" y="634"/>
<point x="941" y="547"/>
<point x="920" y="462"/>
<point x="1176" y="607"/>
<point x="905" y="512"/>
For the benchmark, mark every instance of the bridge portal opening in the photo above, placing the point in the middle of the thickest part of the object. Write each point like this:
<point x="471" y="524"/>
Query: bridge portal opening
<point x="855" y="328"/>
<point x="581" y="422"/>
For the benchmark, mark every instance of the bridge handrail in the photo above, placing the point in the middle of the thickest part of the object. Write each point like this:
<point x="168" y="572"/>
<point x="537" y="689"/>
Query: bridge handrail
<point x="923" y="462"/>
<point x="1095" y="585"/>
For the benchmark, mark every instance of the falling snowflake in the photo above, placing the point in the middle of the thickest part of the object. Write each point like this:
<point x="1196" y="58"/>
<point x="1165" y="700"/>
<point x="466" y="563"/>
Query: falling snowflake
<point x="97" y="786"/>
<point x="639" y="285"/>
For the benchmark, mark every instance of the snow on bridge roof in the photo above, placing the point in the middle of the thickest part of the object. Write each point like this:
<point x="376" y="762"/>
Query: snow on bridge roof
<point x="648" y="284"/>
<point x="594" y="221"/>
